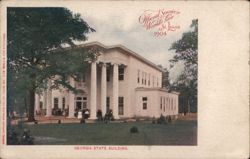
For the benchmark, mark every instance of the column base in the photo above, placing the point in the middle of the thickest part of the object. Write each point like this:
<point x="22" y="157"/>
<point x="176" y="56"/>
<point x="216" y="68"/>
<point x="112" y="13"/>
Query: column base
<point x="92" y="118"/>
<point x="71" y="116"/>
<point x="116" y="117"/>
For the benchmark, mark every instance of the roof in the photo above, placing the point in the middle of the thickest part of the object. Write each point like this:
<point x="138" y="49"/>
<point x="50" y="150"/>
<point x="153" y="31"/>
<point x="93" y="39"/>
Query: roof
<point x="130" y="52"/>
<point x="156" y="89"/>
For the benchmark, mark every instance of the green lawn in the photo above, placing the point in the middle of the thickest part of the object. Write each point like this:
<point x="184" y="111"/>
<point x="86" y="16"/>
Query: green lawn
<point x="177" y="133"/>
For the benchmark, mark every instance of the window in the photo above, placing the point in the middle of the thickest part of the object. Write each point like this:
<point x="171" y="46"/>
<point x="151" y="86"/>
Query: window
<point x="153" y="81"/>
<point x="171" y="104"/>
<point x="167" y="104"/>
<point x="138" y="76"/>
<point x="121" y="73"/>
<point x="174" y="105"/>
<point x="144" y="103"/>
<point x="157" y="82"/>
<point x="78" y="98"/>
<point x="142" y="78"/>
<point x="120" y="106"/>
<point x="63" y="103"/>
<point x="107" y="105"/>
<point x="145" y="81"/>
<point x="81" y="103"/>
<point x="148" y="79"/>
<point x="161" y="103"/>
<point x="55" y="103"/>
<point x="108" y="74"/>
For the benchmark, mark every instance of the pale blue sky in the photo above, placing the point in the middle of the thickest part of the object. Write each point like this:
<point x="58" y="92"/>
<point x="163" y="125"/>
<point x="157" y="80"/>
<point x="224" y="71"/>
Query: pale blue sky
<point x="118" y="24"/>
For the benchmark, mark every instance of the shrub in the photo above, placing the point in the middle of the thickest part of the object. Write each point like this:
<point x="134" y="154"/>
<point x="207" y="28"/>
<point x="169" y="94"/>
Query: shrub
<point x="134" y="129"/>
<point x="161" y="120"/>
<point x="153" y="120"/>
<point x="26" y="139"/>
<point x="14" y="138"/>
<point x="169" y="119"/>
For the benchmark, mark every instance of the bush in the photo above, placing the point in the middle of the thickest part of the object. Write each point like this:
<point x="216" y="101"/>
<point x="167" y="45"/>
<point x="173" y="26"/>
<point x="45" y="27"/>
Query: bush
<point x="134" y="129"/>
<point x="169" y="119"/>
<point x="161" y="120"/>
<point x="26" y="139"/>
<point x="153" y="120"/>
<point x="14" y="138"/>
<point x="137" y="119"/>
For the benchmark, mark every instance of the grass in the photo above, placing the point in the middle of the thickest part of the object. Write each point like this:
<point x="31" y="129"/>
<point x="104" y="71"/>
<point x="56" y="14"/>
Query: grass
<point x="177" y="133"/>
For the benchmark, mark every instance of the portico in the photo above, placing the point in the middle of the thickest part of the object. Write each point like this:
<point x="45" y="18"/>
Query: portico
<point x="111" y="83"/>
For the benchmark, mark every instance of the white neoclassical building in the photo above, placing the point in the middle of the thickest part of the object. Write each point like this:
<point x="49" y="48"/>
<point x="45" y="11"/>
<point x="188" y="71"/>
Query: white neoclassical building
<point x="120" y="80"/>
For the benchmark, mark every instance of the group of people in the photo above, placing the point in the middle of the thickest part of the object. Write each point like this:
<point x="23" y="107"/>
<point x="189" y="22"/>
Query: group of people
<point x="84" y="114"/>
<point x="60" y="112"/>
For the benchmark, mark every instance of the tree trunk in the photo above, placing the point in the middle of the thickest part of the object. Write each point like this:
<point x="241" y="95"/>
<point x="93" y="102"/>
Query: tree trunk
<point x="188" y="107"/>
<point x="32" y="91"/>
<point x="31" y="116"/>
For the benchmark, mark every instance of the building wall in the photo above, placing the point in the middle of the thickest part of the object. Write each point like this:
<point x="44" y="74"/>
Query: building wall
<point x="136" y="65"/>
<point x="132" y="98"/>
<point x="152" y="104"/>
<point x="156" y="106"/>
<point x="169" y="102"/>
<point x="116" y="56"/>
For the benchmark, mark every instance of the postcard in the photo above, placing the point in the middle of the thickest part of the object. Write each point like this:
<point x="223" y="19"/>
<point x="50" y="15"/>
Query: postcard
<point x="124" y="79"/>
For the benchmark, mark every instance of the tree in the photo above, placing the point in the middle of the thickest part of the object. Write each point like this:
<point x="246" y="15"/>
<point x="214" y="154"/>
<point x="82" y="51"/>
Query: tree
<point x="186" y="51"/>
<point x="36" y="51"/>
<point x="165" y="77"/>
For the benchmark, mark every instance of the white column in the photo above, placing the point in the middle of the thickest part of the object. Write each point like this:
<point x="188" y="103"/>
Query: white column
<point x="103" y="89"/>
<point x="45" y="99"/>
<point x="71" y="100"/>
<point x="115" y="91"/>
<point x="93" y="91"/>
<point x="37" y="103"/>
<point x="49" y="100"/>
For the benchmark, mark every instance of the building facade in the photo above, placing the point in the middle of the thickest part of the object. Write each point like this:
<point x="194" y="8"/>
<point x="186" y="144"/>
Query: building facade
<point x="119" y="80"/>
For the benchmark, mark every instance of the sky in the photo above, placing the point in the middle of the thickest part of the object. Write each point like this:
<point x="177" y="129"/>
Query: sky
<point x="118" y="23"/>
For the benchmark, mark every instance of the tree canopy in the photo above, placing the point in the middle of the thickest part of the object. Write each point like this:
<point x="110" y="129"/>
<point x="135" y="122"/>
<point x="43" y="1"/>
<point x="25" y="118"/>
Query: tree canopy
<point x="41" y="46"/>
<point x="186" y="51"/>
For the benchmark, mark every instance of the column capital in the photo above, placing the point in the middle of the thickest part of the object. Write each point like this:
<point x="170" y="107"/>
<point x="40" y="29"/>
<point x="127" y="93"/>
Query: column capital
<point x="114" y="63"/>
<point x="103" y="64"/>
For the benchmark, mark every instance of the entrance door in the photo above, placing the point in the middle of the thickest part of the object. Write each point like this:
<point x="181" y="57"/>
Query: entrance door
<point x="81" y="103"/>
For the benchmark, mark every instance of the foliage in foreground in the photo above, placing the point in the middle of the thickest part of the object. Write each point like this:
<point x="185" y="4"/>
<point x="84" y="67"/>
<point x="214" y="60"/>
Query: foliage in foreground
<point x="21" y="138"/>
<point x="36" y="52"/>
